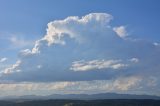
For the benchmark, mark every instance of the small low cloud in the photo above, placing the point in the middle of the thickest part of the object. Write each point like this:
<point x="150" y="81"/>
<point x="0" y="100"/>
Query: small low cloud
<point x="10" y="69"/>
<point x="121" y="31"/>
<point x="39" y="66"/>
<point x="3" y="59"/>
<point x="156" y="44"/>
<point x="134" y="60"/>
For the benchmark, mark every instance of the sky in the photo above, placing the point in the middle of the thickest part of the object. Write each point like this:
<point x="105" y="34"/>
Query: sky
<point x="63" y="47"/>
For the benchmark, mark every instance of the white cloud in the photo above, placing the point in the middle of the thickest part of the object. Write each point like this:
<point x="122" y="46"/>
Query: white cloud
<point x="156" y="44"/>
<point x="73" y="27"/>
<point x="39" y="66"/>
<point x="134" y="60"/>
<point x="121" y="31"/>
<point x="126" y="83"/>
<point x="3" y="59"/>
<point x="77" y="30"/>
<point x="20" y="42"/>
<point x="97" y="65"/>
<point x="13" y="67"/>
<point x="98" y="86"/>
<point x="92" y="39"/>
<point x="16" y="41"/>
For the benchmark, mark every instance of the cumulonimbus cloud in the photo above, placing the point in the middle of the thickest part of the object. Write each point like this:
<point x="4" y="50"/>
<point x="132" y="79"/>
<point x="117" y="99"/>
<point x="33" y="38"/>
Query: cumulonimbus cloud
<point x="57" y="56"/>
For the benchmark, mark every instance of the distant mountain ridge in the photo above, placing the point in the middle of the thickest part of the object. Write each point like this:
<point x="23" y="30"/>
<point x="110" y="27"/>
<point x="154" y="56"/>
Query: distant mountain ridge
<point x="84" y="96"/>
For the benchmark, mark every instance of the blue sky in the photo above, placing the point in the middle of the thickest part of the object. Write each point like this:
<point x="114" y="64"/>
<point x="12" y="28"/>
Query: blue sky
<point x="109" y="46"/>
<point x="19" y="14"/>
<point x="29" y="18"/>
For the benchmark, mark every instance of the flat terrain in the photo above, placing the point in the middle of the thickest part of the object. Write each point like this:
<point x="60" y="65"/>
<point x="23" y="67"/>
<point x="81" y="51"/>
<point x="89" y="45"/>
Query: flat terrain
<point x="107" y="102"/>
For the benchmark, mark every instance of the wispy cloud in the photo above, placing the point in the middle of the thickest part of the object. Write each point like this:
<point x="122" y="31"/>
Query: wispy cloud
<point x="97" y="65"/>
<point x="3" y="59"/>
<point x="20" y="42"/>
<point x="15" y="41"/>
<point x="156" y="44"/>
